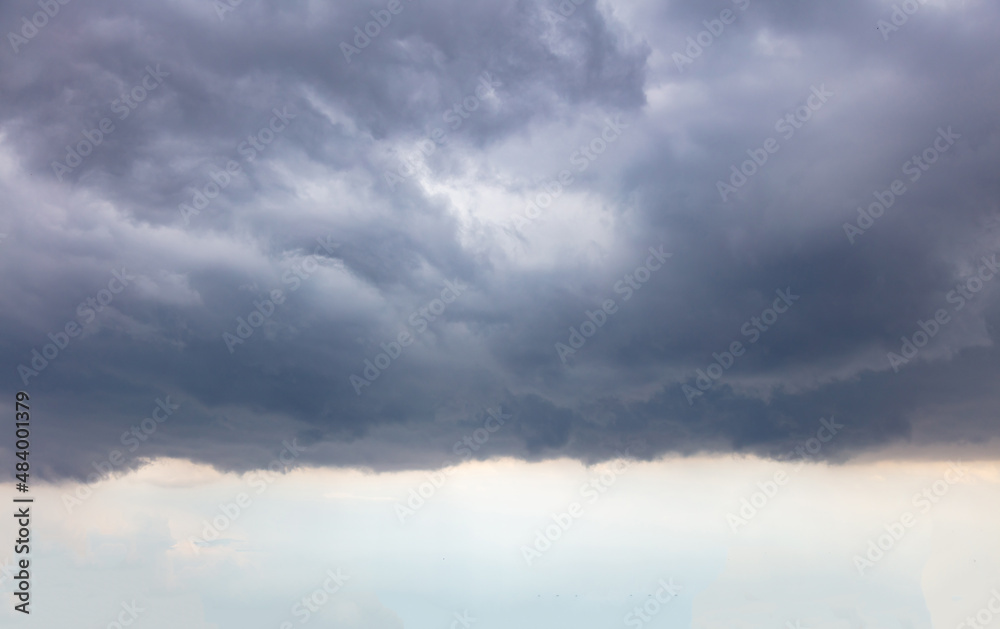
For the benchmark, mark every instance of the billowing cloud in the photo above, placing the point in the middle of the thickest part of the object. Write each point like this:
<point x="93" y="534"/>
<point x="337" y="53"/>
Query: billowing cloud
<point x="455" y="230"/>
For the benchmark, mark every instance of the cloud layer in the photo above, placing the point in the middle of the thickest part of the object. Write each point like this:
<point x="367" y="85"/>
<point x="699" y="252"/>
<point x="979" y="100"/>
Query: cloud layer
<point x="295" y="234"/>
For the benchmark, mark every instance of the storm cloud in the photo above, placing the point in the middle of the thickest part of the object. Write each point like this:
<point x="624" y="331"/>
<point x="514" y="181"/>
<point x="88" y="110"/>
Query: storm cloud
<point x="367" y="226"/>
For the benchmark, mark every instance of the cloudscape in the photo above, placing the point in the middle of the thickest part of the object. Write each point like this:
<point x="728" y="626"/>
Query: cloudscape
<point x="505" y="313"/>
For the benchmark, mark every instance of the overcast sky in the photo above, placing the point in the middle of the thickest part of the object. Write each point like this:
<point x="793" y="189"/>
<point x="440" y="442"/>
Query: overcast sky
<point x="329" y="199"/>
<point x="792" y="565"/>
<point x="362" y="183"/>
<point x="514" y="242"/>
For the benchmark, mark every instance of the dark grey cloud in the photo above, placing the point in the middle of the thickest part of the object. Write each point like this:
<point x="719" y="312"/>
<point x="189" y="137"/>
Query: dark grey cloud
<point x="360" y="258"/>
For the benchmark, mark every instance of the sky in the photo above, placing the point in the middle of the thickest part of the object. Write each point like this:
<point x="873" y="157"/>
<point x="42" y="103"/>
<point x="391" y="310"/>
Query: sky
<point x="344" y="245"/>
